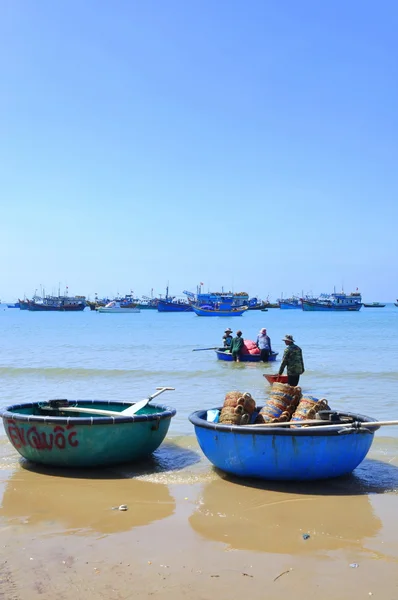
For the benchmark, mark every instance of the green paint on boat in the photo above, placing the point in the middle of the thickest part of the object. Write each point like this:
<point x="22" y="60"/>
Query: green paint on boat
<point x="51" y="437"/>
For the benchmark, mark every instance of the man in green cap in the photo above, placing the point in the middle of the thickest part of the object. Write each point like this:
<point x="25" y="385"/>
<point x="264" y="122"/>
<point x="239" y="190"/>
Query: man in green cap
<point x="293" y="360"/>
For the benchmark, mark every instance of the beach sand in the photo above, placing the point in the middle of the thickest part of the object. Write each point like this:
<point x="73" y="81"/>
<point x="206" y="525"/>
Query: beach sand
<point x="190" y="532"/>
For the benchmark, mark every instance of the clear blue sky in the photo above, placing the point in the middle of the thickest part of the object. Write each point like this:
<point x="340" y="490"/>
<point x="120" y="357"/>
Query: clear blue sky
<point x="251" y="145"/>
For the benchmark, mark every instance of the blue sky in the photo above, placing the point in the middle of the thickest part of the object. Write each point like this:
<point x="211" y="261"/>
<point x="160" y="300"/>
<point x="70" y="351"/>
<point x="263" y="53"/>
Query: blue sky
<point x="247" y="145"/>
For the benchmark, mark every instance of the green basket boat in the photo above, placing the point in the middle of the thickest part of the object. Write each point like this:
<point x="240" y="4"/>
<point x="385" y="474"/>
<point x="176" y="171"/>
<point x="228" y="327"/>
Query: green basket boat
<point x="45" y="433"/>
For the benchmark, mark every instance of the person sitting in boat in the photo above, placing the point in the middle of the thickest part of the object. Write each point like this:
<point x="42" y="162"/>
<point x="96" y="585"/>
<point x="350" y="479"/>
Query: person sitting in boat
<point x="293" y="360"/>
<point x="236" y="346"/>
<point x="263" y="343"/>
<point x="227" y="339"/>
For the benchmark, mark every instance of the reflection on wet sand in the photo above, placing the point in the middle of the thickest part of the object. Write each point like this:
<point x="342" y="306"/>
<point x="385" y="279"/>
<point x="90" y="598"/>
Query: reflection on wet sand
<point x="251" y="518"/>
<point x="83" y="504"/>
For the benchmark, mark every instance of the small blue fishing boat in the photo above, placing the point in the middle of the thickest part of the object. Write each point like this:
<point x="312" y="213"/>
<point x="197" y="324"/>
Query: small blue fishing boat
<point x="227" y="356"/>
<point x="80" y="434"/>
<point x="286" y="454"/>
<point x="213" y="311"/>
<point x="15" y="305"/>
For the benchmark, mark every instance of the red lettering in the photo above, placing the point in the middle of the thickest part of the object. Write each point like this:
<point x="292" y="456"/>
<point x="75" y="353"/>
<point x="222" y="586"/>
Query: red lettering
<point x="15" y="436"/>
<point x="59" y="439"/>
<point x="44" y="444"/>
<point x="73" y="442"/>
<point x="41" y="440"/>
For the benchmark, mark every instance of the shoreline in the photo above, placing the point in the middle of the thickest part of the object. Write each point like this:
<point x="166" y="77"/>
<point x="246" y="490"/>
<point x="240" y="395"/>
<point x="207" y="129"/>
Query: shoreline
<point x="190" y="531"/>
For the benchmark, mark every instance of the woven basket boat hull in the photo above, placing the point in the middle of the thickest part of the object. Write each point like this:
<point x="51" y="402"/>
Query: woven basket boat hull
<point x="281" y="453"/>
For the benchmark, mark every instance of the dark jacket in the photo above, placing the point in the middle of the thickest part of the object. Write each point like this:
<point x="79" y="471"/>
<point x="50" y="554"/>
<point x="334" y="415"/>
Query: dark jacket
<point x="293" y="360"/>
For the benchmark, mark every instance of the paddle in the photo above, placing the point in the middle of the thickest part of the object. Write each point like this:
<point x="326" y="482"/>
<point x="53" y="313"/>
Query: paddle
<point x="312" y="422"/>
<point x="128" y="412"/>
<point x="138" y="405"/>
<point x="200" y="349"/>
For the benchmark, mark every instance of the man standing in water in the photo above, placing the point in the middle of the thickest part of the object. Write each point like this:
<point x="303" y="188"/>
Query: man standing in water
<point x="293" y="360"/>
<point x="264" y="344"/>
<point x="236" y="346"/>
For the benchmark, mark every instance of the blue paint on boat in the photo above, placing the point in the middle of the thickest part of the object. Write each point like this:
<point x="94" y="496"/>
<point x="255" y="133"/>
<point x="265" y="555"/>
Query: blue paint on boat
<point x="218" y="312"/>
<point x="170" y="306"/>
<point x="227" y="356"/>
<point x="15" y="305"/>
<point x="290" y="303"/>
<point x="43" y="436"/>
<point x="281" y="453"/>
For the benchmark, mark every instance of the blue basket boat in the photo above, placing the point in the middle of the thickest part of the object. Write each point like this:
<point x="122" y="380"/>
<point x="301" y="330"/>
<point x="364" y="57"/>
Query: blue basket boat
<point x="278" y="453"/>
<point x="227" y="356"/>
<point x="51" y="436"/>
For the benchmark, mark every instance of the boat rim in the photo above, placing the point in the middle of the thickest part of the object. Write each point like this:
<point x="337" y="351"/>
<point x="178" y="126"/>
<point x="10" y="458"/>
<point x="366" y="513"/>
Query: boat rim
<point x="164" y="412"/>
<point x="198" y="420"/>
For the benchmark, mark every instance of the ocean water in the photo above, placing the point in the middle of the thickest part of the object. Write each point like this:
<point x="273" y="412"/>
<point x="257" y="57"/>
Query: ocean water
<point x="350" y="358"/>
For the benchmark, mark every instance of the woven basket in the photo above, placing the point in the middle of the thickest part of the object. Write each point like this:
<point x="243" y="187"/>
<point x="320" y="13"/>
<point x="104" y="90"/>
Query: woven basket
<point x="248" y="403"/>
<point x="231" y="398"/>
<point x="232" y="416"/>
<point x="308" y="407"/>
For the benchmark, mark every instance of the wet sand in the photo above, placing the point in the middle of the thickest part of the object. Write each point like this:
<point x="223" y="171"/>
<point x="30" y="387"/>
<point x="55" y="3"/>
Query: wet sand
<point x="190" y="532"/>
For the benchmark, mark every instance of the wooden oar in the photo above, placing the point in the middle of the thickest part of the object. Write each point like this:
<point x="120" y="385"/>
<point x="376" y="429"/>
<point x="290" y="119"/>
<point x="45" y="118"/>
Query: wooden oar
<point x="329" y="425"/>
<point x="200" y="349"/>
<point x="128" y="412"/>
<point x="138" y="405"/>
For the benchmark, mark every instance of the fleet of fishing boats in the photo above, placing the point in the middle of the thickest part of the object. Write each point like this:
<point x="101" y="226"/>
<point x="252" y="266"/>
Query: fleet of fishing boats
<point x="210" y="304"/>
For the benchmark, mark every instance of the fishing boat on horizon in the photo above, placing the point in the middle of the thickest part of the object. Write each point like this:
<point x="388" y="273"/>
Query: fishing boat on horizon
<point x="374" y="305"/>
<point x="57" y="304"/>
<point x="210" y="311"/>
<point x="173" y="304"/>
<point x="334" y="302"/>
<point x="118" y="307"/>
<point x="236" y="299"/>
<point x="290" y="303"/>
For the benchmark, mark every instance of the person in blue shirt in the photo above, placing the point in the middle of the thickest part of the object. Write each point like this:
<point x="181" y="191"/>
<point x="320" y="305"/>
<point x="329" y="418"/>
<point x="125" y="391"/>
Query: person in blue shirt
<point x="264" y="344"/>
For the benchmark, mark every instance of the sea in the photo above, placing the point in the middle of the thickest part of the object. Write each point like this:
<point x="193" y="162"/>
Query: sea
<point x="351" y="359"/>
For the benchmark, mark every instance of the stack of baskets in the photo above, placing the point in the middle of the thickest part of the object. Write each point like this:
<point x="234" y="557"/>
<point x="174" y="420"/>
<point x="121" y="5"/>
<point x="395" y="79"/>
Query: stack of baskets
<point x="237" y="408"/>
<point x="281" y="405"/>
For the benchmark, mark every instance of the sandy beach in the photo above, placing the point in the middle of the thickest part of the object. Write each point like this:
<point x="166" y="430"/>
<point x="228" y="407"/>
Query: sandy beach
<point x="191" y="532"/>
